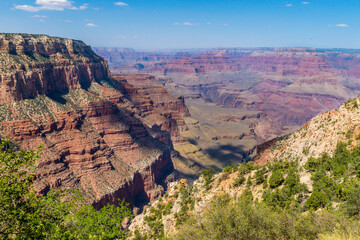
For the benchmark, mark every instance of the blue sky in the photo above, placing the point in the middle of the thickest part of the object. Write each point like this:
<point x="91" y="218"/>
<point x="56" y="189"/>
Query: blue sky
<point x="174" y="24"/>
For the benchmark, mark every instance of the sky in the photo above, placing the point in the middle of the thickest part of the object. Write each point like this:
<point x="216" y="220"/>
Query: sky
<point x="185" y="24"/>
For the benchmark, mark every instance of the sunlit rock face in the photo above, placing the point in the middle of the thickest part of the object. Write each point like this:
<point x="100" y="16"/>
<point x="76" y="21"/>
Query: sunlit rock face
<point x="100" y="134"/>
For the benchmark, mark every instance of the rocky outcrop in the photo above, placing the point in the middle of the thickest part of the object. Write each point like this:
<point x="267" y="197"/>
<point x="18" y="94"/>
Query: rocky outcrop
<point x="319" y="135"/>
<point x="100" y="134"/>
<point x="29" y="61"/>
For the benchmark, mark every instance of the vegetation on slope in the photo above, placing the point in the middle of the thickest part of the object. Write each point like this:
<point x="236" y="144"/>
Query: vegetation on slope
<point x="287" y="208"/>
<point x="269" y="201"/>
<point x="58" y="215"/>
<point x="243" y="219"/>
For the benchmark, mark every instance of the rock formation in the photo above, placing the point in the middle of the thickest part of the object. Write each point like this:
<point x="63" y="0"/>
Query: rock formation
<point x="289" y="155"/>
<point x="288" y="86"/>
<point x="100" y="134"/>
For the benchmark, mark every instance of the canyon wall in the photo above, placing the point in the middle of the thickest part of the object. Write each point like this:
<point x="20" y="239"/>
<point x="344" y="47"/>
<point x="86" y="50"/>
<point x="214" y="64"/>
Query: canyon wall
<point x="100" y="134"/>
<point x="288" y="86"/>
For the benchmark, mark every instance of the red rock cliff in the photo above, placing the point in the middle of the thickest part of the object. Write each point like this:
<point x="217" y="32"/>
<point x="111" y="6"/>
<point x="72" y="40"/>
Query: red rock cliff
<point x="30" y="64"/>
<point x="101" y="135"/>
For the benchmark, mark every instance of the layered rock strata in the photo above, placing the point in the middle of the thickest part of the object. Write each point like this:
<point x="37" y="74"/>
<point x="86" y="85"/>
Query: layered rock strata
<point x="100" y="134"/>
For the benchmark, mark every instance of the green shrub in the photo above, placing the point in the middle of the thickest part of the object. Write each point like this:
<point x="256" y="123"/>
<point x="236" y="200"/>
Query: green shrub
<point x="58" y="215"/>
<point x="260" y="176"/>
<point x="245" y="220"/>
<point x="276" y="179"/>
<point x="239" y="181"/>
<point x="316" y="200"/>
<point x="305" y="151"/>
<point x="292" y="182"/>
<point x="265" y="184"/>
<point x="249" y="182"/>
<point x="352" y="205"/>
<point x="278" y="198"/>
<point x="102" y="224"/>
<point x="246" y="168"/>
<point x="208" y="175"/>
<point x="231" y="168"/>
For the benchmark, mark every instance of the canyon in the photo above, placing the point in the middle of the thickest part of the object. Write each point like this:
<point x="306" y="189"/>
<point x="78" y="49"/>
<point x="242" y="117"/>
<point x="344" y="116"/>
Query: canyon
<point x="127" y="129"/>
<point x="243" y="97"/>
<point x="99" y="134"/>
<point x="292" y="157"/>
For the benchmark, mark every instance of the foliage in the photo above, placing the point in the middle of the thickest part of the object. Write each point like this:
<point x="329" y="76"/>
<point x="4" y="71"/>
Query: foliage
<point x="102" y="224"/>
<point x="58" y="215"/>
<point x="276" y="179"/>
<point x="246" y="220"/>
<point x="239" y="180"/>
<point x="288" y="210"/>
<point x="246" y="168"/>
<point x="316" y="200"/>
<point x="208" y="175"/>
<point x="335" y="178"/>
<point x="231" y="168"/>
<point x="260" y="175"/>
<point x="352" y="204"/>
<point x="23" y="214"/>
<point x="249" y="181"/>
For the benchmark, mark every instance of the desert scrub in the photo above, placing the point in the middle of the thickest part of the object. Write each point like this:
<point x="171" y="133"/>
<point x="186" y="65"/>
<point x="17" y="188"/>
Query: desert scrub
<point x="260" y="175"/>
<point x="239" y="180"/>
<point x="276" y="179"/>
<point x="249" y="181"/>
<point x="231" y="168"/>
<point x="305" y="151"/>
<point x="335" y="178"/>
<point x="351" y="104"/>
<point x="246" y="168"/>
<point x="244" y="219"/>
<point x="208" y="177"/>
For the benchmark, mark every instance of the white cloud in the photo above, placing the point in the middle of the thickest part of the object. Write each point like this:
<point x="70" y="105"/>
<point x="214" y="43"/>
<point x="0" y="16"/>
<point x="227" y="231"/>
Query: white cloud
<point x="186" y="24"/>
<point x="84" y="6"/>
<point x="225" y="24"/>
<point x="91" y="25"/>
<point x="288" y="5"/>
<point x="208" y="23"/>
<point x="121" y="4"/>
<point x="305" y="3"/>
<point x="55" y="5"/>
<point x="27" y="8"/>
<point x="343" y="25"/>
<point x="39" y="16"/>
<point x="69" y="21"/>
<point x="190" y="24"/>
<point x="135" y="36"/>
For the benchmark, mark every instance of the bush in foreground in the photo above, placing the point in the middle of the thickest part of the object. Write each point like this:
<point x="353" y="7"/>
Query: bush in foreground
<point x="58" y="215"/>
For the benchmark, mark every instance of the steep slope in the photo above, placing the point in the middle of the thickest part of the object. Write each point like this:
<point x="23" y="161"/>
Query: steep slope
<point x="29" y="61"/>
<point x="312" y="168"/>
<point x="321" y="134"/>
<point x="100" y="134"/>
